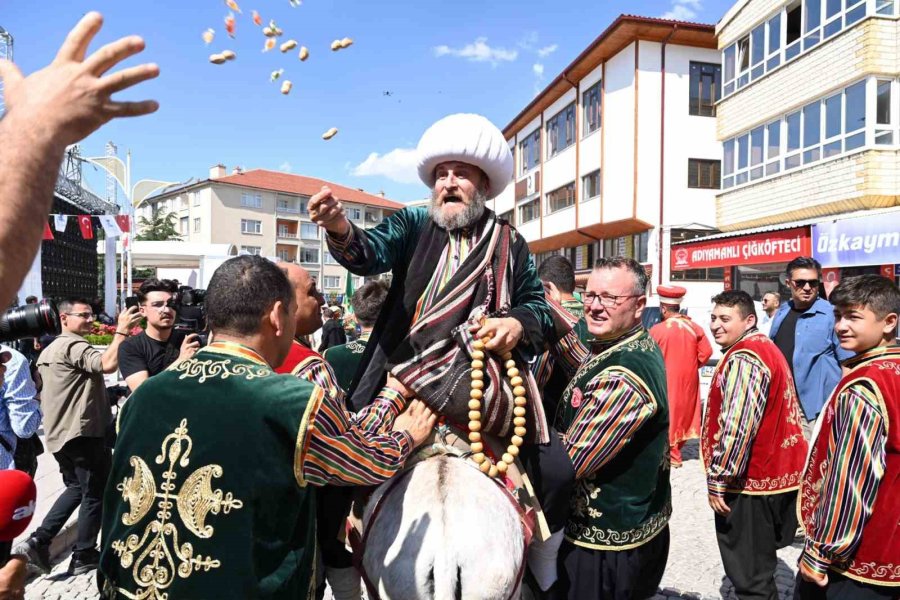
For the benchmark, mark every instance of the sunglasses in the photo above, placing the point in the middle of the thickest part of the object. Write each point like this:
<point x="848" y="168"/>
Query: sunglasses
<point x="802" y="283"/>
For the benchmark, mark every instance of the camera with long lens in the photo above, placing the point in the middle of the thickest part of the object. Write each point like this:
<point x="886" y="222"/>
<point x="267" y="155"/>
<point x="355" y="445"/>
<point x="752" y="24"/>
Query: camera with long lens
<point x="188" y="305"/>
<point x="29" y="321"/>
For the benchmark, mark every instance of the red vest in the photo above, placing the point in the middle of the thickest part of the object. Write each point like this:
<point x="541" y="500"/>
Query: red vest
<point x="877" y="560"/>
<point x="297" y="355"/>
<point x="778" y="451"/>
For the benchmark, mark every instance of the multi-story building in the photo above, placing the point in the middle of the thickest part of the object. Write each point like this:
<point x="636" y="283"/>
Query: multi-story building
<point x="618" y="154"/>
<point x="809" y="121"/>
<point x="265" y="212"/>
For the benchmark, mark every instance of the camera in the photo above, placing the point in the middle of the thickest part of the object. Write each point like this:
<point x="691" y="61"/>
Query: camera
<point x="188" y="304"/>
<point x="29" y="321"/>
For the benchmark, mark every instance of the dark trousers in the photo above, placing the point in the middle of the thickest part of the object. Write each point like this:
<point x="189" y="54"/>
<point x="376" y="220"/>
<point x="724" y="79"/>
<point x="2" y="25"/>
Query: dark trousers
<point x="84" y="463"/>
<point x="748" y="537"/>
<point x="634" y="574"/>
<point x="842" y="588"/>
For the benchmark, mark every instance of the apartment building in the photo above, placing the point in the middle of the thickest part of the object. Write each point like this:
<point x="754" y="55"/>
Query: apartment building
<point x="265" y="212"/>
<point x="809" y="121"/>
<point x="618" y="154"/>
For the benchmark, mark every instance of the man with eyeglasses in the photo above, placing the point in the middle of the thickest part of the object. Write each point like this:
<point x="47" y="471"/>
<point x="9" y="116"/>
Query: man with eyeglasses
<point x="151" y="351"/>
<point x="803" y="329"/>
<point x="614" y="423"/>
<point x="76" y="417"/>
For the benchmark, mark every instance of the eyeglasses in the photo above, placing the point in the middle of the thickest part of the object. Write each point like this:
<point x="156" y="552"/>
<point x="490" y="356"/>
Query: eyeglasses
<point x="83" y="315"/>
<point x="802" y="283"/>
<point x="607" y="300"/>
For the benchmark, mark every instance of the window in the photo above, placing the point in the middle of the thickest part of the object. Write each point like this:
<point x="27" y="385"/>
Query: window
<point x="793" y="140"/>
<point x="794" y="17"/>
<point x="372" y="217"/>
<point x="303" y="206"/>
<point x="251" y="227"/>
<point x="195" y="198"/>
<point x="855" y="115"/>
<point x="530" y="151"/>
<point x="354" y="214"/>
<point x="590" y="100"/>
<point x="251" y="200"/>
<point x="309" y="231"/>
<point x="757" y="51"/>
<point x="703" y="174"/>
<point x="590" y="187"/>
<point x="773" y="147"/>
<point x="529" y="211"/>
<point x="197" y="225"/>
<point x="332" y="282"/>
<point x="309" y="255"/>
<point x="883" y="113"/>
<point x="704" y="89"/>
<point x="728" y="164"/>
<point x="285" y="231"/>
<point x="329" y="259"/>
<point x="251" y="250"/>
<point x="561" y="131"/>
<point x="774" y="49"/>
<point x="728" y="61"/>
<point x="641" y="242"/>
<point x="832" y="141"/>
<point x="812" y="123"/>
<point x="184" y="225"/>
<point x="561" y="198"/>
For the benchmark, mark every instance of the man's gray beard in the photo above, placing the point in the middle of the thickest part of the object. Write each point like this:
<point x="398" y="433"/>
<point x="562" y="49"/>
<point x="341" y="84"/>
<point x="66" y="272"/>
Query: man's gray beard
<point x="469" y="216"/>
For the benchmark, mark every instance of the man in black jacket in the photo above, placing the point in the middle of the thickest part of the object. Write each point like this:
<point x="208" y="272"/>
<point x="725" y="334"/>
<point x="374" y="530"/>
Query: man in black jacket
<point x="333" y="330"/>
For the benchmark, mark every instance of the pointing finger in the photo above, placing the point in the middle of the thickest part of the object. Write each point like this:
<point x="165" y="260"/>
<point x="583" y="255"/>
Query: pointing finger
<point x="76" y="44"/>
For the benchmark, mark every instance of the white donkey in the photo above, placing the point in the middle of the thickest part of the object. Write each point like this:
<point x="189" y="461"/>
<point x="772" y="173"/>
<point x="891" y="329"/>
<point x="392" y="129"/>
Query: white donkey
<point x="443" y="531"/>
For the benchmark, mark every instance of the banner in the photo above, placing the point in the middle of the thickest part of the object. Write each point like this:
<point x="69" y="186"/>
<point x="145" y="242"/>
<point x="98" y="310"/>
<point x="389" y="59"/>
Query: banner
<point x="86" y="226"/>
<point x="48" y="234"/>
<point x="858" y="242"/>
<point x="110" y="226"/>
<point x="124" y="223"/>
<point x="755" y="249"/>
<point x="60" y="222"/>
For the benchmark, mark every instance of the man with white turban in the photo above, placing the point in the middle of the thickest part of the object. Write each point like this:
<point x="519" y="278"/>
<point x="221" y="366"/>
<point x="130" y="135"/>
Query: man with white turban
<point x="460" y="274"/>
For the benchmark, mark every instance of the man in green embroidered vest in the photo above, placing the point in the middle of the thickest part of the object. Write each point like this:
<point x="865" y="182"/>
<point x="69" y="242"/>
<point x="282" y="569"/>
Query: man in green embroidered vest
<point x="366" y="302"/>
<point x="614" y="422"/>
<point x="209" y="494"/>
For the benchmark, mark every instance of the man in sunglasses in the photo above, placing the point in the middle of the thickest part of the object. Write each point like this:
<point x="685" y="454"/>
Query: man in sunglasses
<point x="76" y="417"/>
<point x="803" y="329"/>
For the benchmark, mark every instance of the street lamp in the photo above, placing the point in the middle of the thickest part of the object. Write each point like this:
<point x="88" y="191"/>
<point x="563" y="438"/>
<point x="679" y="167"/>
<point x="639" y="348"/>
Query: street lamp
<point x="121" y="172"/>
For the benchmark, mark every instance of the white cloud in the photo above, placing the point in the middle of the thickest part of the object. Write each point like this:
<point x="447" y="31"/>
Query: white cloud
<point x="683" y="10"/>
<point x="397" y="165"/>
<point x="285" y="166"/>
<point x="478" y="51"/>
<point x="528" y="42"/>
<point x="547" y="50"/>
<point x="538" y="69"/>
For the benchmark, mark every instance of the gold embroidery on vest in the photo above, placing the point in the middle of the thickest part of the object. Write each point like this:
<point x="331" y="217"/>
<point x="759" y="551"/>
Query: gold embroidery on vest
<point x="159" y="553"/>
<point x="219" y="369"/>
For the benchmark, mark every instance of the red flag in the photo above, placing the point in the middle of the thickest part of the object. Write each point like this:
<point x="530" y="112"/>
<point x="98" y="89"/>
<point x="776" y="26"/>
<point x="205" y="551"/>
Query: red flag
<point x="48" y="234"/>
<point x="123" y="222"/>
<point x="87" y="227"/>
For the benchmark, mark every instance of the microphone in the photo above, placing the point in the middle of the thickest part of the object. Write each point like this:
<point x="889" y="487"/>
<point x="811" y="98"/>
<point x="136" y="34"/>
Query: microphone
<point x="17" y="496"/>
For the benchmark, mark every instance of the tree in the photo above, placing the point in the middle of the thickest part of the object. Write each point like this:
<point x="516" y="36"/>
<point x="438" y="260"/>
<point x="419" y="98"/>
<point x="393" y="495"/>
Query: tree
<point x="159" y="227"/>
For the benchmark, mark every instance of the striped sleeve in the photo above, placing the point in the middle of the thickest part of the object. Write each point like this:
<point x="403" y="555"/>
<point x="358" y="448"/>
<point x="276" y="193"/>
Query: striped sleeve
<point x="856" y="463"/>
<point x="354" y="449"/>
<point x="746" y="387"/>
<point x="349" y="247"/>
<point x="616" y="404"/>
<point x="319" y="372"/>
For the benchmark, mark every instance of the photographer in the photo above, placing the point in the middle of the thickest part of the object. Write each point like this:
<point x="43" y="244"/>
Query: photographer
<point x="153" y="350"/>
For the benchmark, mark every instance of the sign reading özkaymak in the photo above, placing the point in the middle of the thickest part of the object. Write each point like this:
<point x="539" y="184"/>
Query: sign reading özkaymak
<point x="873" y="240"/>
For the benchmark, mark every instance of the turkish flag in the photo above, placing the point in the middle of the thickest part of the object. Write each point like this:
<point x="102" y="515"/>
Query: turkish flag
<point x="48" y="234"/>
<point x="86" y="226"/>
<point x="123" y="222"/>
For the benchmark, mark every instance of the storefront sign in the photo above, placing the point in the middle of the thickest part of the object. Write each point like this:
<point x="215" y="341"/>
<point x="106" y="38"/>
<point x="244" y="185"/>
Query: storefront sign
<point x="858" y="242"/>
<point x="756" y="249"/>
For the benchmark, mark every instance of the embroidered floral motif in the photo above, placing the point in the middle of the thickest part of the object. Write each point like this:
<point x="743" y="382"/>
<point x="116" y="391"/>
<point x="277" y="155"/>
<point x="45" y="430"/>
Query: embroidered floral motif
<point x="577" y="397"/>
<point x="596" y="536"/>
<point x="157" y="555"/>
<point x="221" y="368"/>
<point x="871" y="570"/>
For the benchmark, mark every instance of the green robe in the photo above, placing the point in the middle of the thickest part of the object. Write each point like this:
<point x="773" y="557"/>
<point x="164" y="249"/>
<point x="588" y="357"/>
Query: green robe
<point x="345" y="360"/>
<point x="206" y="497"/>
<point x="627" y="501"/>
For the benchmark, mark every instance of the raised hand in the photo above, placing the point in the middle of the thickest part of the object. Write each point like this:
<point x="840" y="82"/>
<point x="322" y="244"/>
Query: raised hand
<point x="327" y="212"/>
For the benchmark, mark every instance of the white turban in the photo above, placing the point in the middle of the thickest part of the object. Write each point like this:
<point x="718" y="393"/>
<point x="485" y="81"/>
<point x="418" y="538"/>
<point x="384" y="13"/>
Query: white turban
<point x="469" y="139"/>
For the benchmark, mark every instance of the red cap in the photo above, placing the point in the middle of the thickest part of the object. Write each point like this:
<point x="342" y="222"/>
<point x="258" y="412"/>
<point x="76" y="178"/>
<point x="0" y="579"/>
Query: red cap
<point x="671" y="294"/>
<point x="17" y="495"/>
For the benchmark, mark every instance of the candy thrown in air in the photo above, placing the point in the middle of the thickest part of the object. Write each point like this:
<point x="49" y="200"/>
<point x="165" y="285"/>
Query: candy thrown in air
<point x="304" y="52"/>
<point x="270" y="43"/>
<point x="276" y="74"/>
<point x="229" y="24"/>
<point x="295" y="3"/>
<point x="228" y="55"/>
<point x="272" y="30"/>
<point x="257" y="20"/>
<point x="286" y="87"/>
<point x="208" y="36"/>
<point x="335" y="45"/>
<point x="288" y="45"/>
<point x="216" y="59"/>
<point x="233" y="6"/>
<point x="346" y="42"/>
<point x="330" y="133"/>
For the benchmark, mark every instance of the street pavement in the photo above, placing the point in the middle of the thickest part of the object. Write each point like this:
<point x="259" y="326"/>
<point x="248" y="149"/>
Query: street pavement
<point x="694" y="569"/>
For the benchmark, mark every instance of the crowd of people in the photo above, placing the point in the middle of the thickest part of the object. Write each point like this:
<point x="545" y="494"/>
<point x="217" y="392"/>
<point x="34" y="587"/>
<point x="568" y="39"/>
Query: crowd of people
<point x="231" y="469"/>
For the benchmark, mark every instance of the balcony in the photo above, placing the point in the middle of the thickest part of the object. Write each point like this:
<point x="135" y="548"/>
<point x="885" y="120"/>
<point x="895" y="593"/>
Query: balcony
<point x="286" y="235"/>
<point x="284" y="209"/>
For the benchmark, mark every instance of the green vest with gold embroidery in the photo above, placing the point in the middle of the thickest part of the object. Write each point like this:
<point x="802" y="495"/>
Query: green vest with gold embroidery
<point x="206" y="497"/>
<point x="627" y="501"/>
<point x="345" y="359"/>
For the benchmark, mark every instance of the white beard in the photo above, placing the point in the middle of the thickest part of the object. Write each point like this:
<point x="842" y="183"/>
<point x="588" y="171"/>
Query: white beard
<point x="459" y="220"/>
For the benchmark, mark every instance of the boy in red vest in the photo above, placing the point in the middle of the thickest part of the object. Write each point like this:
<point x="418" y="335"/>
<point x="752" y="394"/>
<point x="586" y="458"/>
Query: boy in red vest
<point x="752" y="446"/>
<point x="850" y="492"/>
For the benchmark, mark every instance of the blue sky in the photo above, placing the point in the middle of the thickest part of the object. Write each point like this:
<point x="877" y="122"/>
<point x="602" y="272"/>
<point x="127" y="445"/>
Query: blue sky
<point x="412" y="62"/>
